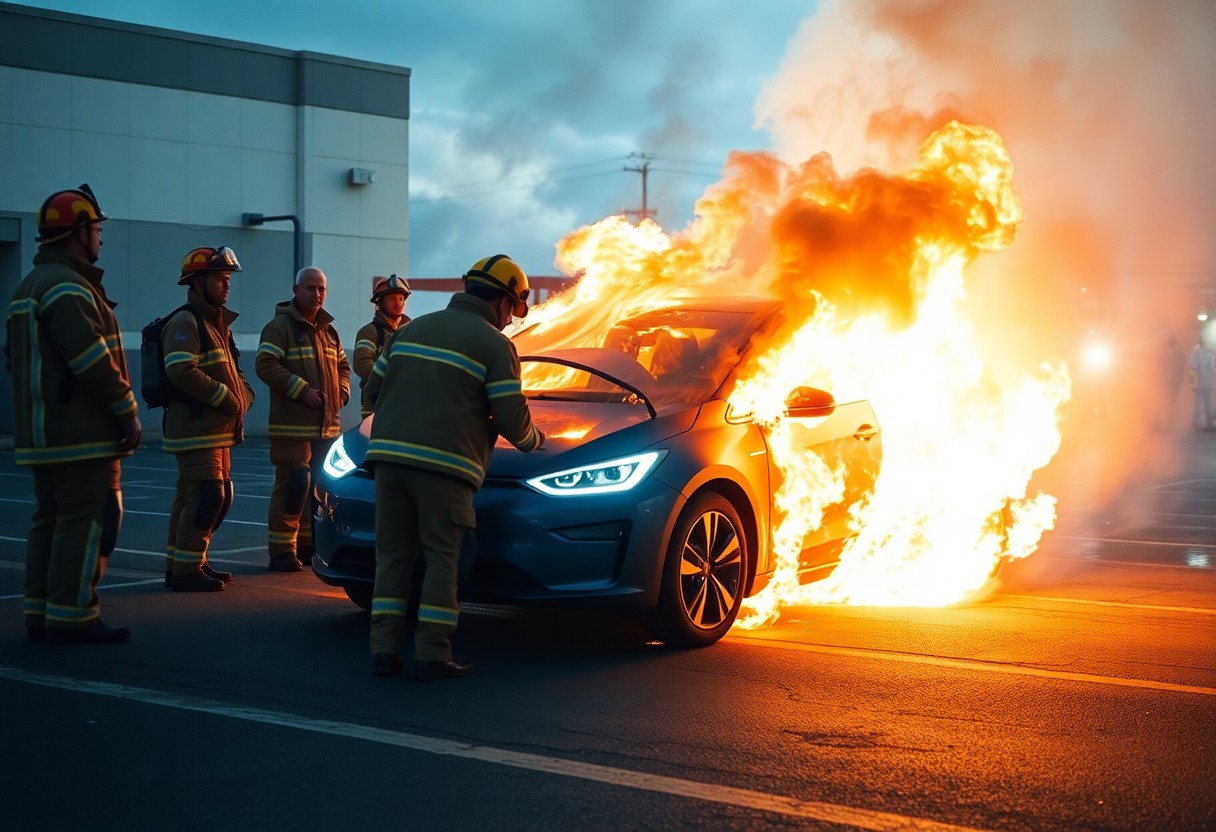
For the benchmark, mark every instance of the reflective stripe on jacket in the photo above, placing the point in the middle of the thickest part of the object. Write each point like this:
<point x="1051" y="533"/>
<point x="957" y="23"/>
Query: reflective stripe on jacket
<point x="295" y="354"/>
<point x="369" y="342"/>
<point x="435" y="387"/>
<point x="219" y="396"/>
<point x="64" y="349"/>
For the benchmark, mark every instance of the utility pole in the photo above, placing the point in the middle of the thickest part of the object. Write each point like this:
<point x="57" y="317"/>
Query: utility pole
<point x="644" y="168"/>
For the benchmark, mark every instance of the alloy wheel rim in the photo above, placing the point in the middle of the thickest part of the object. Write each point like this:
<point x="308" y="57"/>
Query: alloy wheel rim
<point x="711" y="568"/>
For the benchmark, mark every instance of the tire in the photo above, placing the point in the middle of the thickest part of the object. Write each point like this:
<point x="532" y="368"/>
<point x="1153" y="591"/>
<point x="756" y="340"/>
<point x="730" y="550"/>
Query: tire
<point x="360" y="594"/>
<point x="704" y="574"/>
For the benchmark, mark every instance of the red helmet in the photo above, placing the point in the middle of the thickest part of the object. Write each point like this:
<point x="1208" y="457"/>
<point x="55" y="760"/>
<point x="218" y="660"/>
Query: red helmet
<point x="208" y="259"/>
<point x="64" y="211"/>
<point x="392" y="285"/>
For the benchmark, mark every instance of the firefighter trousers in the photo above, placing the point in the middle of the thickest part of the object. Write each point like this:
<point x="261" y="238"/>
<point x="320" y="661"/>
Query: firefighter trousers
<point x="204" y="496"/>
<point x="77" y="513"/>
<point x="418" y="514"/>
<point x="290" y="519"/>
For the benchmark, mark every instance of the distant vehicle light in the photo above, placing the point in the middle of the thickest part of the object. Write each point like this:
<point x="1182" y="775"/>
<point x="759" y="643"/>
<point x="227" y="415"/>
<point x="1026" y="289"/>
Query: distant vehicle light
<point x="1097" y="357"/>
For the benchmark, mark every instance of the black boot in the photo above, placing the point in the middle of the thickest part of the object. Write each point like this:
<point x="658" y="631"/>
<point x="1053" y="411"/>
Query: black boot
<point x="386" y="664"/>
<point x="433" y="671"/>
<point x="216" y="573"/>
<point x="99" y="632"/>
<point x="196" y="582"/>
<point x="286" y="562"/>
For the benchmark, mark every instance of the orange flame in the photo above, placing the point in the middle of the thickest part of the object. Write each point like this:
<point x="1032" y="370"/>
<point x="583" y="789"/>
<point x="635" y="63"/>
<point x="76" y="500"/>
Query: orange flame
<point x="871" y="268"/>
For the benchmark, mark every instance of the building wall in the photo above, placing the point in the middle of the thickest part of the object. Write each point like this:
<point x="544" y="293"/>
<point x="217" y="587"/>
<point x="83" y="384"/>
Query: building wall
<point x="179" y="136"/>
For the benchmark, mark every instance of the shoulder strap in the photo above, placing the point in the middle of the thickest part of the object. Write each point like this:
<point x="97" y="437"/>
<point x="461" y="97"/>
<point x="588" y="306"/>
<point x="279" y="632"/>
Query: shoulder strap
<point x="204" y="337"/>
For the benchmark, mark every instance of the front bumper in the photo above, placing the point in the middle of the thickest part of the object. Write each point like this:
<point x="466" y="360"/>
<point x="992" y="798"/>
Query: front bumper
<point x="599" y="550"/>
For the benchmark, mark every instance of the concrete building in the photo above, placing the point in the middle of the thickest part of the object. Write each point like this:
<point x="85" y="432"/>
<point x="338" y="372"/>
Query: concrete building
<point x="181" y="136"/>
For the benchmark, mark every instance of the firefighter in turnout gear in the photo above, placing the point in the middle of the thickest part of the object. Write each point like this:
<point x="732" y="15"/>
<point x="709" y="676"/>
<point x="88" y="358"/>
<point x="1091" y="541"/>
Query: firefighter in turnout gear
<point x="74" y="418"/>
<point x="389" y="295"/>
<point x="443" y="388"/>
<point x="301" y="360"/>
<point x="205" y="418"/>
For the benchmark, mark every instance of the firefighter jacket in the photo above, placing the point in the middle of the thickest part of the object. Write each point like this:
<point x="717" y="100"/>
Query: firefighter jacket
<point x="64" y="350"/>
<point x="368" y="343"/>
<point x="210" y="413"/>
<point x="444" y="387"/>
<point x="294" y="355"/>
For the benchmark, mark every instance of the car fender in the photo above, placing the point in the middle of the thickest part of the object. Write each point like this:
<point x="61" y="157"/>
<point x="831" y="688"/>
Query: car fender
<point x="731" y="459"/>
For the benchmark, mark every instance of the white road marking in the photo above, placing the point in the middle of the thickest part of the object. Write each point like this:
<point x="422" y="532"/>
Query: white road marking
<point x="710" y="792"/>
<point x="1137" y="542"/>
<point x="1127" y="604"/>
<point x="169" y="514"/>
<point x="212" y="551"/>
<point x="976" y="665"/>
<point x="1100" y="561"/>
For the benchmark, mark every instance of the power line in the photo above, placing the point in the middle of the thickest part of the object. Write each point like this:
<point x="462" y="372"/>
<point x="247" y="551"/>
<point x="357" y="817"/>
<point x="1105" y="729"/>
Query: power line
<point x="510" y="187"/>
<point x="662" y="158"/>
<point x="686" y="172"/>
<point x="506" y="182"/>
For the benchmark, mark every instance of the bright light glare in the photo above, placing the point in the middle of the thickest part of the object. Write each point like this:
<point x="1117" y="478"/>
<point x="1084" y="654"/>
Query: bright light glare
<point x="337" y="464"/>
<point x="600" y="478"/>
<point x="1097" y="357"/>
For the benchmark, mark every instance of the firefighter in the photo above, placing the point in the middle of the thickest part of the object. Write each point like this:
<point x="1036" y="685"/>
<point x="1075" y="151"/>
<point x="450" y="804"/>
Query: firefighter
<point x="443" y="388"/>
<point x="301" y="360"/>
<point x="74" y="419"/>
<point x="389" y="295"/>
<point x="205" y="418"/>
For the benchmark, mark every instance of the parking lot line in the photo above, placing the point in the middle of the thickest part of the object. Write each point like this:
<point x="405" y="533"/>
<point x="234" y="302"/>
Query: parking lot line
<point x="855" y="817"/>
<point x="977" y="665"/>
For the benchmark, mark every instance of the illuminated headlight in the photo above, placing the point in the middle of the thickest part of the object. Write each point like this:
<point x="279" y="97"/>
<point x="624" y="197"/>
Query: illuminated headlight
<point x="337" y="464"/>
<point x="601" y="478"/>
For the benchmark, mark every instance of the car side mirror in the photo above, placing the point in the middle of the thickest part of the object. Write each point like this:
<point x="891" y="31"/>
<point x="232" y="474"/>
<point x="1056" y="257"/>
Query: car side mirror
<point x="809" y="402"/>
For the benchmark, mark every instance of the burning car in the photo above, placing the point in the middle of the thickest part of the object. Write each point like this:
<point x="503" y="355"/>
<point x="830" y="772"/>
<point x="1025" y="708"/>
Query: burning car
<point x="653" y="494"/>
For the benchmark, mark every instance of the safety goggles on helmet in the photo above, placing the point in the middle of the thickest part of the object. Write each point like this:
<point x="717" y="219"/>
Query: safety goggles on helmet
<point x="504" y="274"/>
<point x="392" y="285"/>
<point x="208" y="259"/>
<point x="63" y="212"/>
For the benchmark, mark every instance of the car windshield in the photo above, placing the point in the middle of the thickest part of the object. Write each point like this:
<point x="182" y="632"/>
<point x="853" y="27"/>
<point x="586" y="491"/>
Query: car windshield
<point x="674" y="355"/>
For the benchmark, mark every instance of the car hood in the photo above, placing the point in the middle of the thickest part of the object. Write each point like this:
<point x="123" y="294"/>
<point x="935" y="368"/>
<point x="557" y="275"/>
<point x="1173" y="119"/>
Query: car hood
<point x="576" y="433"/>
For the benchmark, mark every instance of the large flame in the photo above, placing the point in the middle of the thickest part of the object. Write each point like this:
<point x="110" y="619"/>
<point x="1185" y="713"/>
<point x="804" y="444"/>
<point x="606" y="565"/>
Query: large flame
<point x="871" y="270"/>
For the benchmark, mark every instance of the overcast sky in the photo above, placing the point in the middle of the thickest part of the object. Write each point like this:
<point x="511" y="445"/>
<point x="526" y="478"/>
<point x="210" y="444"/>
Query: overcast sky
<point x="523" y="114"/>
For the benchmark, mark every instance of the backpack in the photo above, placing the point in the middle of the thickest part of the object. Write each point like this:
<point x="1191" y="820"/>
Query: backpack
<point x="155" y="386"/>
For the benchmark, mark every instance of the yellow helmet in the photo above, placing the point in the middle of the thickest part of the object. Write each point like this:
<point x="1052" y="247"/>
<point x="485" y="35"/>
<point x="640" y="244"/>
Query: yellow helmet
<point x="504" y="274"/>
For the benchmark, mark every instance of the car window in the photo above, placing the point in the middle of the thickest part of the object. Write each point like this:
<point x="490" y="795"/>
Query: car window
<point x="687" y="351"/>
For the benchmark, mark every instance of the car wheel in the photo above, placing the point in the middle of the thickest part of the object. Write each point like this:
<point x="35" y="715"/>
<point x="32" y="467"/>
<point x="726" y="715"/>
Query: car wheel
<point x="361" y="595"/>
<point x="703" y="575"/>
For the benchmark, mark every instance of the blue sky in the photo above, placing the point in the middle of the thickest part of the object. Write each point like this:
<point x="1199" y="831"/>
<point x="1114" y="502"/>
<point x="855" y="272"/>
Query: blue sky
<point x="524" y="114"/>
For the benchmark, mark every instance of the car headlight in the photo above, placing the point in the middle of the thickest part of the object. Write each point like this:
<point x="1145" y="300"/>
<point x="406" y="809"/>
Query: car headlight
<point x="337" y="463"/>
<point x="600" y="478"/>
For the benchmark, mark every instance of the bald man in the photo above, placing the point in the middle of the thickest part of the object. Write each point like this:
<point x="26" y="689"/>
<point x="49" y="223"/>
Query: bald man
<point x="301" y="360"/>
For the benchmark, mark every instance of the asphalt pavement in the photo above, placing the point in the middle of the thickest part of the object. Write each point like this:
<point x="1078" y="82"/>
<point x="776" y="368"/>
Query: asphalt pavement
<point x="1081" y="694"/>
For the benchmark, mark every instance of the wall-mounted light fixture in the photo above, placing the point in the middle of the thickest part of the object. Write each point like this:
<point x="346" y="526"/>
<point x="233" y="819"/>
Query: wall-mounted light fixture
<point x="362" y="176"/>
